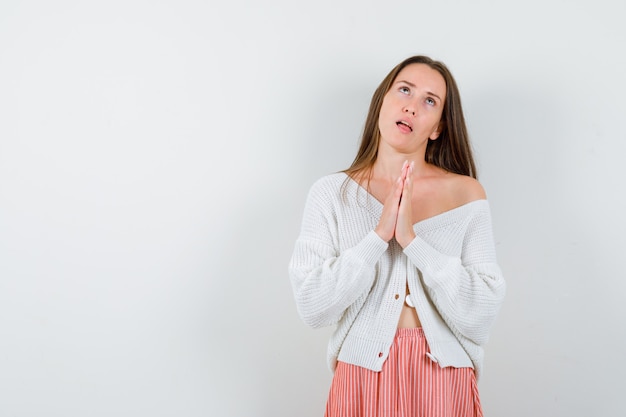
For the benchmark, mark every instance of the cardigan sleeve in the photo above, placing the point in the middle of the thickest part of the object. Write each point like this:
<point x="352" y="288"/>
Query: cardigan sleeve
<point x="325" y="279"/>
<point x="467" y="290"/>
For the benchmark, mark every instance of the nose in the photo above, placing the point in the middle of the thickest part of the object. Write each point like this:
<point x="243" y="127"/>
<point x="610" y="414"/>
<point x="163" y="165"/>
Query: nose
<point x="410" y="110"/>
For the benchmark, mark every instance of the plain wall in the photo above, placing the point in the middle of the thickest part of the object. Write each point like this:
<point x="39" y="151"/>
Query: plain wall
<point x="154" y="161"/>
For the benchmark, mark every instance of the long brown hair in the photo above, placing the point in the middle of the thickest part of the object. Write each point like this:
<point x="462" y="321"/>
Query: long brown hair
<point x="450" y="151"/>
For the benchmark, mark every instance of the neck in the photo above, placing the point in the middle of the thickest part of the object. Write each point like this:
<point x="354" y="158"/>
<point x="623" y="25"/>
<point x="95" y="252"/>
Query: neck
<point x="388" y="166"/>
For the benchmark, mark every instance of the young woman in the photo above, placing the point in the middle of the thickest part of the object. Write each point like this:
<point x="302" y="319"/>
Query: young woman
<point x="397" y="252"/>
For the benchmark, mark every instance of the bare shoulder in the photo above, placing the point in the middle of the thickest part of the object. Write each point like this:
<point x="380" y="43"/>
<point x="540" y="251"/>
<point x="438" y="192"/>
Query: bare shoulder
<point x="465" y="189"/>
<point x="443" y="191"/>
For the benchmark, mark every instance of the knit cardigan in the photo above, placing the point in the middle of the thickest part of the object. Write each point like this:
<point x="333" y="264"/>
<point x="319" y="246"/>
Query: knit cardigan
<point x="343" y="274"/>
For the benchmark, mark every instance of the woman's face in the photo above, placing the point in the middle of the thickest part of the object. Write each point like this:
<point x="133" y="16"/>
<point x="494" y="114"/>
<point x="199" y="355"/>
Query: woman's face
<point x="411" y="110"/>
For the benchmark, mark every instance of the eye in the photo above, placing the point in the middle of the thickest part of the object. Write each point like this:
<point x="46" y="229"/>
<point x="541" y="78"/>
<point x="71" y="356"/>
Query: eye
<point x="405" y="90"/>
<point x="431" y="101"/>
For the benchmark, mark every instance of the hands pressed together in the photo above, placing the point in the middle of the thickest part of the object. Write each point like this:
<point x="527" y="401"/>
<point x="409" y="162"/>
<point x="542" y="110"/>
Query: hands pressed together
<point x="396" y="219"/>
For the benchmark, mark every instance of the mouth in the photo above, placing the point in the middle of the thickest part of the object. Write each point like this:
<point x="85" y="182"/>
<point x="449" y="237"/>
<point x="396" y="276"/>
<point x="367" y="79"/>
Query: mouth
<point x="403" y="123"/>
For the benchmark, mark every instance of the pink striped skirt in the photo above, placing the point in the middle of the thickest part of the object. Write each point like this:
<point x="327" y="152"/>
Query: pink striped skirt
<point x="409" y="385"/>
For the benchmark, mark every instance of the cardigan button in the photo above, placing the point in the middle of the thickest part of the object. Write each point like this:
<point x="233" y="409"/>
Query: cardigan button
<point x="397" y="296"/>
<point x="380" y="354"/>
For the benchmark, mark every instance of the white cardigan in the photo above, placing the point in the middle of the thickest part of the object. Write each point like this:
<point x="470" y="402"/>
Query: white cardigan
<point x="344" y="274"/>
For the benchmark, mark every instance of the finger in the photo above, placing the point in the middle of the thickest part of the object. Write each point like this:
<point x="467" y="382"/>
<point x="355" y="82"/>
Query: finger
<point x="405" y="203"/>
<point x="399" y="189"/>
<point x="405" y="169"/>
<point x="406" y="189"/>
<point x="387" y="222"/>
<point x="404" y="227"/>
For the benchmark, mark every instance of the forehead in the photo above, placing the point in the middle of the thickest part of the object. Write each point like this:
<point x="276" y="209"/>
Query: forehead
<point x="423" y="77"/>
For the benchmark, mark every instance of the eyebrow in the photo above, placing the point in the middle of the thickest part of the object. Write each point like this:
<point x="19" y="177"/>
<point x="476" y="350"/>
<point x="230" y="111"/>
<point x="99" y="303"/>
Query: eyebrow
<point x="410" y="84"/>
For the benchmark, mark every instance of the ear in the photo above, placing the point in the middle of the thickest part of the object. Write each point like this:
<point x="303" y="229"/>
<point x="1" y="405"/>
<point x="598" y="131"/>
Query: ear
<point x="437" y="131"/>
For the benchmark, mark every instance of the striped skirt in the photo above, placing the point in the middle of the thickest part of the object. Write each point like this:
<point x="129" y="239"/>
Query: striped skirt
<point x="409" y="385"/>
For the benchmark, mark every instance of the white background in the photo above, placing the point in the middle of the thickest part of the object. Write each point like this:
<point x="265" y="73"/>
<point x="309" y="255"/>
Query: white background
<point x="154" y="161"/>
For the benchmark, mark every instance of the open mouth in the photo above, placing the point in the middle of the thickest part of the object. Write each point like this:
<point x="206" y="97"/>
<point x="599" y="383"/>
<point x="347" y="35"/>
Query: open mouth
<point x="403" y="123"/>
